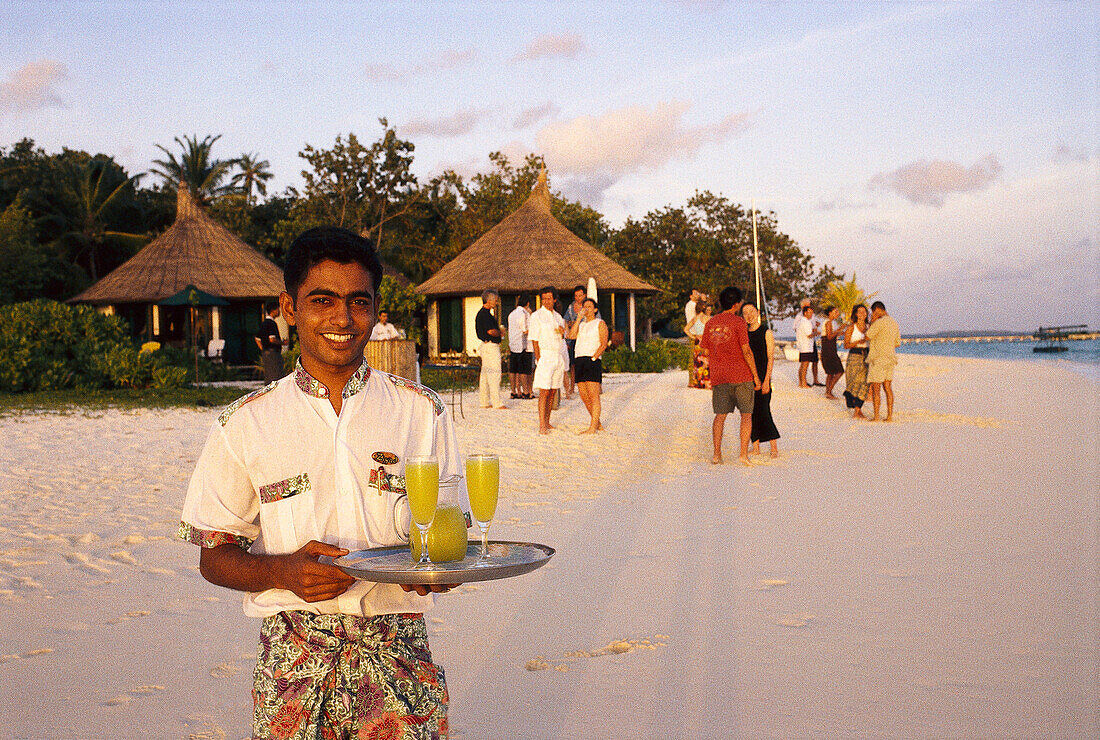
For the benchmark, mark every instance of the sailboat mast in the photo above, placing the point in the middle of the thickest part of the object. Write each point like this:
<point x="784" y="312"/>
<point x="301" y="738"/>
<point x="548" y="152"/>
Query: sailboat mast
<point x="756" y="264"/>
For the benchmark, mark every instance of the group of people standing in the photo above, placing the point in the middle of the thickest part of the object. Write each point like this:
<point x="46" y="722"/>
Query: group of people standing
<point x="549" y="353"/>
<point x="733" y="355"/>
<point x="871" y="338"/>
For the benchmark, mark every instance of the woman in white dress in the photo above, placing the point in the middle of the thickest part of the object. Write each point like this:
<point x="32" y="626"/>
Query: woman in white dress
<point x="591" y="335"/>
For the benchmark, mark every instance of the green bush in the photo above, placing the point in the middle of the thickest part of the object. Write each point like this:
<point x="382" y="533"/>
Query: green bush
<point x="47" y="345"/>
<point x="654" y="356"/>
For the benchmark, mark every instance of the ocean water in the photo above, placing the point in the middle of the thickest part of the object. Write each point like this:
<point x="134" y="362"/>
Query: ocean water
<point x="1081" y="357"/>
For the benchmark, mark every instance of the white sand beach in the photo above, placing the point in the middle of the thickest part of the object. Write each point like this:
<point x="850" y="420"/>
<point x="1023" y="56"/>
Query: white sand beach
<point x="937" y="576"/>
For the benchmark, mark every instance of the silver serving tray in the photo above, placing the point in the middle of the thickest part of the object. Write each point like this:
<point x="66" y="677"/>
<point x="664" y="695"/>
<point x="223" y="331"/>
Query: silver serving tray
<point x="395" y="564"/>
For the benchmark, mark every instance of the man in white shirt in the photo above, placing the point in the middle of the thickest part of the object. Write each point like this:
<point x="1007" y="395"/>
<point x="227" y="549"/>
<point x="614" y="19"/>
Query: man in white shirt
<point x="804" y="333"/>
<point x="547" y="332"/>
<point x="520" y="358"/>
<point x="384" y="329"/>
<point x="312" y="467"/>
<point x="689" y="308"/>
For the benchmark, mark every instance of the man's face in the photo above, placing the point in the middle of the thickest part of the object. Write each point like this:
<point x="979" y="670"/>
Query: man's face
<point x="275" y="314"/>
<point x="492" y="302"/>
<point x="808" y="312"/>
<point x="578" y="296"/>
<point x="877" y="313"/>
<point x="334" y="313"/>
<point x="548" y="300"/>
<point x="383" y="317"/>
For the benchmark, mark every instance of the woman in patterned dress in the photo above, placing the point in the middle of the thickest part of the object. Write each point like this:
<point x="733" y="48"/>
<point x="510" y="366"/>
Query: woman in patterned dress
<point x="699" y="373"/>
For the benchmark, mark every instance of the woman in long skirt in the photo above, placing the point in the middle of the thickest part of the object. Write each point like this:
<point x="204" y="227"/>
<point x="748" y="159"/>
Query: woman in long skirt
<point x="855" y="372"/>
<point x="830" y="360"/>
<point x="762" y="344"/>
<point x="699" y="373"/>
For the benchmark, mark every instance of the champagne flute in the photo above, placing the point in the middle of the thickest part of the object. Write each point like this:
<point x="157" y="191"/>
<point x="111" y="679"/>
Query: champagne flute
<point x="422" y="489"/>
<point x="483" y="487"/>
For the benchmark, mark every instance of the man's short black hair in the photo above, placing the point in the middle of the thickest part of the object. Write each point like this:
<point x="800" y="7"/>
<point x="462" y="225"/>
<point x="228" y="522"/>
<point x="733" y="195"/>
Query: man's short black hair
<point x="523" y="300"/>
<point x="548" y="289"/>
<point x="729" y="297"/>
<point x="270" y="306"/>
<point x="328" y="243"/>
<point x="580" y="288"/>
<point x="878" y="304"/>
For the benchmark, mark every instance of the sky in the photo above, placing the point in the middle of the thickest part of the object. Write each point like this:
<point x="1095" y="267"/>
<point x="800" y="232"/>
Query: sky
<point x="946" y="153"/>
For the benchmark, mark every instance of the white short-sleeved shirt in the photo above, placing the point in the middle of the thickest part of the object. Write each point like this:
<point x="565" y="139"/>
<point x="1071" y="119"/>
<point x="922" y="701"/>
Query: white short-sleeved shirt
<point x="280" y="468"/>
<point x="382" y="332"/>
<point x="803" y="328"/>
<point x="517" y="330"/>
<point x="543" y="329"/>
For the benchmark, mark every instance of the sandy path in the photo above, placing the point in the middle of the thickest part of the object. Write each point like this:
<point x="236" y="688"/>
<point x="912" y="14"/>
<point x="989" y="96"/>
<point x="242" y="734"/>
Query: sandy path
<point x="952" y="591"/>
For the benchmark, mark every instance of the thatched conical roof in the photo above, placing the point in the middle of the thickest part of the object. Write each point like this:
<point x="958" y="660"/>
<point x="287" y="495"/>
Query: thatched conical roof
<point x="195" y="250"/>
<point x="530" y="249"/>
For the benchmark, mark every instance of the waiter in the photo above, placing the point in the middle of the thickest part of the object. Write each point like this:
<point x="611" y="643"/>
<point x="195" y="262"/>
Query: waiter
<point x="270" y="343"/>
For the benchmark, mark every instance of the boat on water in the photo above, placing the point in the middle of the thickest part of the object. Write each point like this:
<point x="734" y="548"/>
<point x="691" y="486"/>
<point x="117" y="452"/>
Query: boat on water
<point x="1052" y="338"/>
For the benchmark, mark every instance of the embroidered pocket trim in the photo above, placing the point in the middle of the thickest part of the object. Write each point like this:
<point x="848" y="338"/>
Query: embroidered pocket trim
<point x="284" y="489"/>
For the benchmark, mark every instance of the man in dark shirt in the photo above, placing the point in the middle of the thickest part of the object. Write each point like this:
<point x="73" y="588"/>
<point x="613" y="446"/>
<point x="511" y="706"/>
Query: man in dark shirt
<point x="488" y="331"/>
<point x="270" y="343"/>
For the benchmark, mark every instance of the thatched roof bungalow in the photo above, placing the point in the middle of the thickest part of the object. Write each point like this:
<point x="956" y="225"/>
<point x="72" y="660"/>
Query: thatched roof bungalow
<point x="195" y="250"/>
<point x="526" y="251"/>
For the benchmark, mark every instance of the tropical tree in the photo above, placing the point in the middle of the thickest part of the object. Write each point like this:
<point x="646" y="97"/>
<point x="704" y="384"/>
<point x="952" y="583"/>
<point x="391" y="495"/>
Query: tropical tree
<point x="708" y="245"/>
<point x="253" y="173"/>
<point x="91" y="197"/>
<point x="845" y="295"/>
<point x="362" y="188"/>
<point x="205" y="176"/>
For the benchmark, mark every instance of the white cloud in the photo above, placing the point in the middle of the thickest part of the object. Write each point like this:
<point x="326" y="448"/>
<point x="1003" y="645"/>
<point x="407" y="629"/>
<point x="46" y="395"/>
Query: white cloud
<point x="531" y="116"/>
<point x="441" y="62"/>
<point x="928" y="182"/>
<point x="456" y="124"/>
<point x="567" y="45"/>
<point x="601" y="149"/>
<point x="883" y="227"/>
<point x="841" y="203"/>
<point x="32" y="86"/>
<point x="1065" y="153"/>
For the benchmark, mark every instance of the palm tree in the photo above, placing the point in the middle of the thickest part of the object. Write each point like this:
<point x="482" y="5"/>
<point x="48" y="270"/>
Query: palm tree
<point x="90" y="196"/>
<point x="195" y="167"/>
<point x="845" y="296"/>
<point x="254" y="173"/>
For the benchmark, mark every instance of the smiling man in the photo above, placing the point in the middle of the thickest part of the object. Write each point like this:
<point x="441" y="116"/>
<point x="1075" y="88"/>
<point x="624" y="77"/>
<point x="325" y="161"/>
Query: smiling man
<point x="311" y="467"/>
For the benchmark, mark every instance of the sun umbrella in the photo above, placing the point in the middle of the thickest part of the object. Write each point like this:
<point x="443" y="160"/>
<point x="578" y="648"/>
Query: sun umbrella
<point x="193" y="298"/>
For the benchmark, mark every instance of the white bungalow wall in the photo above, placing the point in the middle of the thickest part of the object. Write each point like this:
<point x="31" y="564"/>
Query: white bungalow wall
<point x="470" y="306"/>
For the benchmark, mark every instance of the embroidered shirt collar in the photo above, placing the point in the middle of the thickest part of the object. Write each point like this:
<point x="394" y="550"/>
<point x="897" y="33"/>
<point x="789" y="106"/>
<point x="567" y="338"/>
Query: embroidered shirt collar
<point x="313" y="387"/>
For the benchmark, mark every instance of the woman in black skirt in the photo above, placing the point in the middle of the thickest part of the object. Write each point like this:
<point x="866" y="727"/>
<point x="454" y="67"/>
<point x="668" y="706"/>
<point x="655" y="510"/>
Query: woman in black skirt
<point x="830" y="358"/>
<point x="762" y="344"/>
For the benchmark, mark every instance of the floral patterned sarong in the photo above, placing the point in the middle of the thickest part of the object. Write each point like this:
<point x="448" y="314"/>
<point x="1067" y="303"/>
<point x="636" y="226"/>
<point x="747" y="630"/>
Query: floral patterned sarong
<point x="337" y="676"/>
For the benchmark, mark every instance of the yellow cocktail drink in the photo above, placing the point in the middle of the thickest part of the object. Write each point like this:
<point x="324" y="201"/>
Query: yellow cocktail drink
<point x="422" y="487"/>
<point x="483" y="486"/>
<point x="447" y="538"/>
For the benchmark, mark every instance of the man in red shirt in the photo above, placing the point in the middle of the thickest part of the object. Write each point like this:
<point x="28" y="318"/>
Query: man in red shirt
<point x="733" y="375"/>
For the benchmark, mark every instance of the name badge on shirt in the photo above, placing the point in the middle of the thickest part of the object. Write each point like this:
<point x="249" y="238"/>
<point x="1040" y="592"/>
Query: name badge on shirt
<point x="384" y="458"/>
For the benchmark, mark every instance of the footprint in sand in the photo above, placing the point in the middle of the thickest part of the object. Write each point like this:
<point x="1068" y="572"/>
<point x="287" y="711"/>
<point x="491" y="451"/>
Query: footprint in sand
<point x="134" y="693"/>
<point x="224" y="670"/>
<point x="796" y="620"/>
<point x="769" y="583"/>
<point x="85" y="564"/>
<point x="124" y="557"/>
<point x="615" y="647"/>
